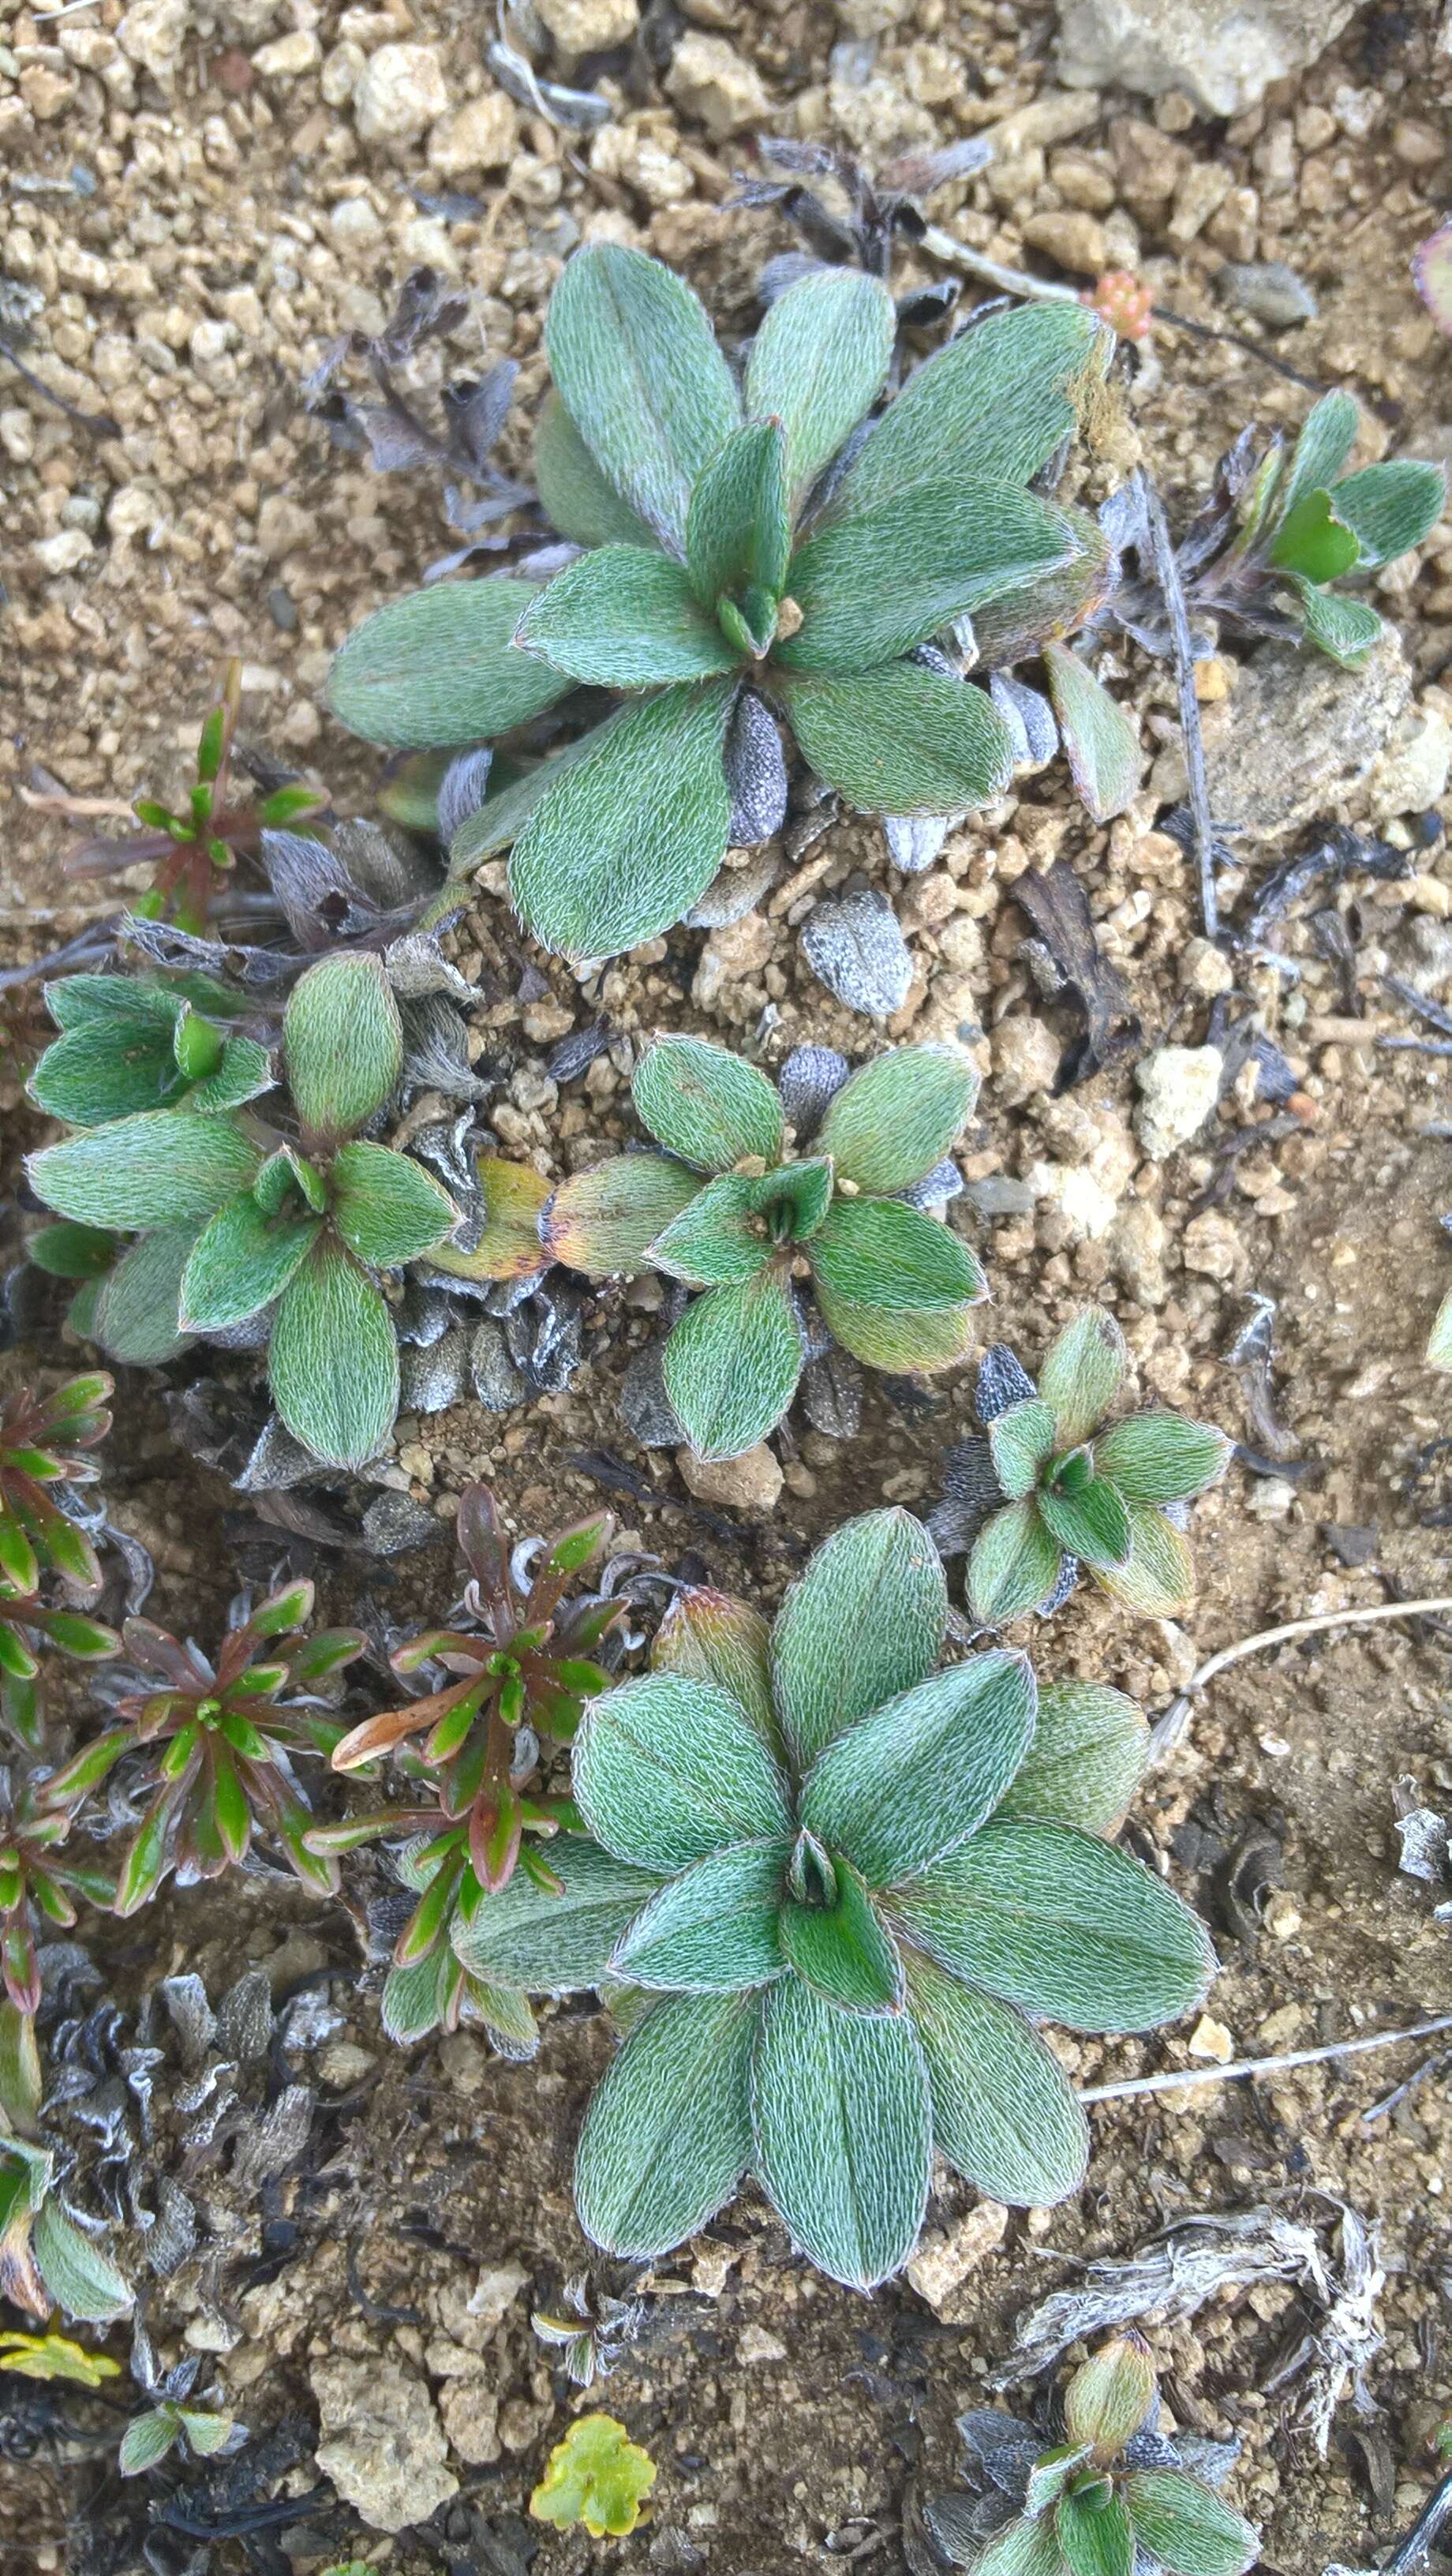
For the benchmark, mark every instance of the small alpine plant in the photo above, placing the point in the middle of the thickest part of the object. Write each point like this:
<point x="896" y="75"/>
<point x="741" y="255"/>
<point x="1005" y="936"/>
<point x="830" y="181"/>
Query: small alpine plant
<point x="728" y="1210"/>
<point x="45" y="1441"/>
<point x="1077" y="1491"/>
<point x="1111" y="2499"/>
<point x="134" y="1042"/>
<point x="239" y="1219"/>
<point x="38" y="1878"/>
<point x="775" y="554"/>
<point x="194" y="853"/>
<point x="840" y="1887"/>
<point x="217" y="1741"/>
<point x="47" y="2261"/>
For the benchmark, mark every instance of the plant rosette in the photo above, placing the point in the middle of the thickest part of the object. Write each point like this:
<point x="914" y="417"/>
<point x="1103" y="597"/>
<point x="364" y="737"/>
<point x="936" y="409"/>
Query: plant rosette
<point x="779" y="554"/>
<point x="1055" y="1487"/>
<point x="1114" y="2497"/>
<point x="728" y="1212"/>
<point x="134" y="1042"/>
<point x="44" y="1444"/>
<point x="838" y="1887"/>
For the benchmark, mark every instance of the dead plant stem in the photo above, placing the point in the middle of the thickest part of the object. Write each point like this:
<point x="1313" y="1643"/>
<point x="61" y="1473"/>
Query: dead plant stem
<point x="1244" y="2066"/>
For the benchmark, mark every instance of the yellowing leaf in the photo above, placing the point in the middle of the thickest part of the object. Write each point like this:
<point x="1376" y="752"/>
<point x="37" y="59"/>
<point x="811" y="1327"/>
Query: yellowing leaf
<point x="54" y="2356"/>
<point x="596" y="2476"/>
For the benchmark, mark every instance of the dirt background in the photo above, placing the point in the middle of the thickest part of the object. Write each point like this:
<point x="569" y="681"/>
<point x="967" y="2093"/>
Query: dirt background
<point x="189" y="215"/>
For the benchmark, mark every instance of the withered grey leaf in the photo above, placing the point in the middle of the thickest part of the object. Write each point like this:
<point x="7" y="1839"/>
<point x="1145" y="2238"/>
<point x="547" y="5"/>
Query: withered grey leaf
<point x="436" y="1053"/>
<point x="422" y="1315"/>
<point x="433" y="1377"/>
<point x="644" y="1405"/>
<point x="854" y="946"/>
<point x="832" y="1394"/>
<point x="191" y="2017"/>
<point x="756" y="772"/>
<point x="1028" y="716"/>
<point x="1002" y="1380"/>
<point x="1003" y="2446"/>
<point x="462" y="790"/>
<point x="395" y="1523"/>
<point x="418" y="970"/>
<point x="267" y="2146"/>
<point x="172" y="2235"/>
<point x="582" y="111"/>
<point x="498" y="1383"/>
<point x="735" y="891"/>
<point x="1426" y="1841"/>
<point x="914" y="840"/>
<point x="1058" y="907"/>
<point x="936" y="1187"/>
<point x="971" y="1491"/>
<point x="809" y="1082"/>
<point x="244" y="2018"/>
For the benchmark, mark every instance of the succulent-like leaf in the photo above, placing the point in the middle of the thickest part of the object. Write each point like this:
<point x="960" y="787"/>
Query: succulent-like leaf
<point x="1186" y="2526"/>
<point x="1092" y="1523"/>
<point x="708" y="1106"/>
<point x="1328" y="435"/>
<point x="738" y="532"/>
<point x="895" y="1119"/>
<point x="1004" y="2112"/>
<point x="576" y="497"/>
<point x="966" y="1729"/>
<point x="1390" y="508"/>
<point x="1158" y="1580"/>
<point x="1161" y="1458"/>
<point x="514" y="1197"/>
<point x="1060" y="1924"/>
<point x="164" y="1168"/>
<point x="996" y="401"/>
<point x="863" y="1625"/>
<point x="841" y="1950"/>
<point x="712" y="1929"/>
<point x="623" y="843"/>
<point x="1022" y="1438"/>
<point x="625" y="617"/>
<point x="1087" y="1758"/>
<point x="907" y="1341"/>
<point x="902" y="740"/>
<point x="877" y="1252"/>
<point x="1110" y="2396"/>
<point x="1345" y="629"/>
<point x="441" y="666"/>
<point x="386" y="1207"/>
<point x="244" y="1072"/>
<point x="667" y="2136"/>
<point x="137" y="1309"/>
<point x="1312" y="541"/>
<point x="529" y="1938"/>
<point x="1105" y="759"/>
<point x="872" y="586"/>
<point x="709" y="1637"/>
<point x="668" y="1770"/>
<point x="604" y="1221"/>
<point x="1082" y="1373"/>
<point x="1094" y="2534"/>
<point x="596" y="2477"/>
<point x="240" y="1262"/>
<point x="732" y="1363"/>
<point x="1021" y="2548"/>
<point x="818" y="364"/>
<point x="80" y="2276"/>
<point x="634" y="357"/>
<point x="333" y="1361"/>
<point x="839" y="2107"/>
<point x="342" y="1043"/>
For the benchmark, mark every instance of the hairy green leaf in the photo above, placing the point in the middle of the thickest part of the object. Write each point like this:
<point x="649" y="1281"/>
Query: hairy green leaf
<point x="1345" y="629"/>
<point x="839" y="2108"/>
<point x="104" y="1069"/>
<point x="1092" y="1524"/>
<point x="738" y="532"/>
<point x="1094" y="2535"/>
<point x="80" y="2276"/>
<point x="864" y="1624"/>
<point x="714" y="1928"/>
<point x="576" y="497"/>
<point x="896" y="1118"/>
<point x="1159" y="1579"/>
<point x="88" y="1001"/>
<point x="1087" y="1758"/>
<point x="667" y="1771"/>
<point x="623" y="843"/>
<point x="902" y="740"/>
<point x="555" y="1944"/>
<point x="872" y="586"/>
<point x="245" y="1071"/>
<point x="1004" y="2112"/>
<point x="1060" y="1924"/>
<point x="667" y="2136"/>
<point x="147" y="2439"/>
<point x="1328" y="435"/>
<point x="241" y="1261"/>
<point x="162" y="1168"/>
<point x="842" y="1950"/>
<point x="1312" y="541"/>
<point x="604" y="1221"/>
<point x="342" y="1044"/>
<point x="503" y="815"/>
<point x="877" y="1252"/>
<point x="732" y="1363"/>
<point x="333" y="1361"/>
<point x="1161" y="1458"/>
<point x="1103" y="750"/>
<point x="1021" y="1439"/>
<point x="1051" y="604"/>
<point x="1082" y="1373"/>
<point x="818" y="364"/>
<point x="625" y="618"/>
<point x="1391" y="508"/>
<point x="709" y="1637"/>
<point x="966" y="1729"/>
<point x="1021" y="2548"/>
<point x="139" y="1301"/>
<point x="716" y="1240"/>
<point x="441" y="666"/>
<point x="708" y="1106"/>
<point x="1186" y="2526"/>
<point x="907" y="1341"/>
<point x="386" y="1207"/>
<point x="635" y="360"/>
<point x="1111" y="2396"/>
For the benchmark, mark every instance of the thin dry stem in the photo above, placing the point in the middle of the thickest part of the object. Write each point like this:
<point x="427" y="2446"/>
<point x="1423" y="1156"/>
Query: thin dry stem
<point x="1263" y="2065"/>
<point x="1171" y="1727"/>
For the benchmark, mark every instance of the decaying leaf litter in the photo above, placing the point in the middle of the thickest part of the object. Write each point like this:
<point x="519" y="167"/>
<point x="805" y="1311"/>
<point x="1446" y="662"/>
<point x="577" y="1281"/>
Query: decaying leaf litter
<point x="1249" y="1580"/>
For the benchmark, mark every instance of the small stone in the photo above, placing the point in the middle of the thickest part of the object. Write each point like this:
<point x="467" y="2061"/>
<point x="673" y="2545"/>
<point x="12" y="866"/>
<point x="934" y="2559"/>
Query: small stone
<point x="751" y="1483"/>
<point x="1070" y="236"/>
<point x="153" y="33"/>
<point x="1270" y="1497"/>
<point x="1026" y="1058"/>
<point x="944" y="2260"/>
<point x="739" y="949"/>
<point x="1282" y="1916"/>
<point x="1203" y="189"/>
<point x="709" y="79"/>
<point x="1298" y="734"/>
<point x="1412" y="773"/>
<point x="1136" y="1243"/>
<point x="66" y="551"/>
<point x="383" y="2446"/>
<point x="755" y="2344"/>
<point x="469" y="2412"/>
<point x="480" y="136"/>
<point x="1205" y="969"/>
<point x="46" y="93"/>
<point x="495" y="2292"/>
<point x="1223" y="54"/>
<point x="581" y="27"/>
<point x="1211" y="1246"/>
<point x="1418" y="147"/>
<point x="1211" y="2039"/>
<point x="1179" y="1087"/>
<point x="1268" y="290"/>
<point x="289" y="56"/>
<point x="400" y="91"/>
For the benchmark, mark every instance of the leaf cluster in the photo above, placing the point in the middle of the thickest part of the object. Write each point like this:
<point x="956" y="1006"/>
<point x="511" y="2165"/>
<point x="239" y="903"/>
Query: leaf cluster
<point x="596" y="2476"/>
<point x="728" y="1211"/>
<point x="1080" y="1492"/>
<point x="45" y="1443"/>
<point x="46" y="2260"/>
<point x="56" y="2357"/>
<point x="839" y="1888"/>
<point x="775" y="554"/>
<point x="35" y="1824"/>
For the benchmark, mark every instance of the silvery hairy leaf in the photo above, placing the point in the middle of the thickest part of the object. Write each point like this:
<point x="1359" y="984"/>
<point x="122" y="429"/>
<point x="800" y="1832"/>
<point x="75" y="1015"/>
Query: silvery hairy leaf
<point x="854" y="946"/>
<point x="756" y="773"/>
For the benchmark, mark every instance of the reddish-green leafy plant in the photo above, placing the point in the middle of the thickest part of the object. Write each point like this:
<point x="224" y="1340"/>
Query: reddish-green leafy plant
<point x="44" y="1440"/>
<point x="219" y="1740"/>
<point x="37" y="1877"/>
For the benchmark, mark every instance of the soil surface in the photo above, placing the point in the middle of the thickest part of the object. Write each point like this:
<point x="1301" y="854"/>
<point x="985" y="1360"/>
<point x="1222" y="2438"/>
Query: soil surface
<point x="193" y="204"/>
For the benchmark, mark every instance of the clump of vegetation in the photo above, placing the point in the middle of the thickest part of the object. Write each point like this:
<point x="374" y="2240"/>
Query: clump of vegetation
<point x="46" y="1441"/>
<point x="778" y="554"/>
<point x="1077" y="1490"/>
<point x="47" y="2261"/>
<point x="728" y="1210"/>
<point x="194" y="853"/>
<point x="1111" y="2499"/>
<point x="134" y="1042"/>
<point x="840" y="1887"/>
<point x="37" y="1876"/>
<point x="172" y="2422"/>
<point x="56" y="2357"/>
<point x="596" y="2476"/>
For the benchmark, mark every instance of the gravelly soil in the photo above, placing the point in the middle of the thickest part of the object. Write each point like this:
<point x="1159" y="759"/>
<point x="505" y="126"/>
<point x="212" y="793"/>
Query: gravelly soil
<point x="229" y="220"/>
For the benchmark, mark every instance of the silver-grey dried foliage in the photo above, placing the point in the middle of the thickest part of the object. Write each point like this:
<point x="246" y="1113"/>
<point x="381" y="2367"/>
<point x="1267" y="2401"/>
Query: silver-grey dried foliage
<point x="853" y="945"/>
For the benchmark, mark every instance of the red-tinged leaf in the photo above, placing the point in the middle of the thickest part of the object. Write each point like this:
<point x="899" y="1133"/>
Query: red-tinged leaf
<point x="536" y="1867"/>
<point x="283" y="1611"/>
<point x="145" y="1862"/>
<point x="201" y="1850"/>
<point x="430" y="1914"/>
<point x="19" y="1966"/>
<point x="68" y="1549"/>
<point x="243" y="1737"/>
<point x="88" y="1768"/>
<point x="482" y="1542"/>
<point x="452" y="1729"/>
<point x="370" y="1828"/>
<point x="89" y="1640"/>
<point x="379" y="1734"/>
<point x="19" y="1564"/>
<point x="259" y="1681"/>
<point x="495" y="1828"/>
<point x="177" y="1759"/>
<point x="63" y="1409"/>
<point x="51" y="1898"/>
<point x="511" y="1702"/>
<point x="163" y="1657"/>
